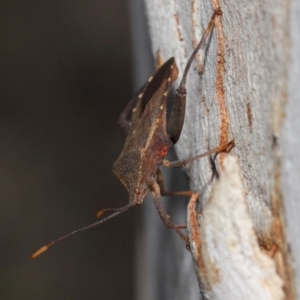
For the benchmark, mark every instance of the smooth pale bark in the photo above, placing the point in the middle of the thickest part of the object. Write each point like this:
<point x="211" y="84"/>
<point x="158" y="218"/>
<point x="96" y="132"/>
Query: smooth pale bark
<point x="241" y="95"/>
<point x="227" y="257"/>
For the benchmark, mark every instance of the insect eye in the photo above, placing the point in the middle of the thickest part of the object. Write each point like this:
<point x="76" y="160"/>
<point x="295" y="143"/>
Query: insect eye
<point x="137" y="190"/>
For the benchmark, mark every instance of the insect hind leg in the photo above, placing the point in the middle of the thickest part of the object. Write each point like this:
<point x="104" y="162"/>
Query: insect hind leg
<point x="178" y="111"/>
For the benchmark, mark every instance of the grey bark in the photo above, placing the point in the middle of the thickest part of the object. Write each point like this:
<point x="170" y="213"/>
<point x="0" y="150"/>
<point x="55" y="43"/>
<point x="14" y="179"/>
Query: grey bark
<point x="290" y="143"/>
<point x="241" y="94"/>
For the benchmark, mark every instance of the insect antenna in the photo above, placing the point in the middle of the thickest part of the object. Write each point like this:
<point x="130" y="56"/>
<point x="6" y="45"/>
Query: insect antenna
<point x="119" y="211"/>
<point x="102" y="211"/>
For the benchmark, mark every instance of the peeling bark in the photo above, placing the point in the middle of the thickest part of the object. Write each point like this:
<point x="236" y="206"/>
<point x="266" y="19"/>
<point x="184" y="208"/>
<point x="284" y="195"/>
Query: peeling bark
<point x="227" y="256"/>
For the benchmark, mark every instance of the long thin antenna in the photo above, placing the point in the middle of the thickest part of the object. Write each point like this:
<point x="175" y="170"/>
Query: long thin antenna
<point x="45" y="248"/>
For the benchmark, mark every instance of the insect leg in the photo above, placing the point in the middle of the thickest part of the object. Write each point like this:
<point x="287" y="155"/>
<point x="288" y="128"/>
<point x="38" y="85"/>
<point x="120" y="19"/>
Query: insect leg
<point x="178" y="111"/>
<point x="160" y="182"/>
<point x="166" y="219"/>
<point x="164" y="216"/>
<point x="181" y="163"/>
<point x="163" y="192"/>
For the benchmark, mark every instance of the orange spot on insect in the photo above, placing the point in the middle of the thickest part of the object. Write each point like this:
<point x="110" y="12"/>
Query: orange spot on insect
<point x="100" y="213"/>
<point x="164" y="151"/>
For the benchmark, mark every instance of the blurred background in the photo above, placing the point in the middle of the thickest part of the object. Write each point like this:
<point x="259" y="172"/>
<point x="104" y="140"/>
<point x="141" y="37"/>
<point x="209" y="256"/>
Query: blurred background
<point x="65" y="76"/>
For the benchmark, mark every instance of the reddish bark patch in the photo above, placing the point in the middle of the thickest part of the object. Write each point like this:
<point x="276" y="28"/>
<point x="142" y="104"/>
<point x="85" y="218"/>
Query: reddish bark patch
<point x="224" y="119"/>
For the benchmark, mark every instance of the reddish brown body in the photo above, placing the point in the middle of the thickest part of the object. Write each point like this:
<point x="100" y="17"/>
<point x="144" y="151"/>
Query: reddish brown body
<point x="149" y="138"/>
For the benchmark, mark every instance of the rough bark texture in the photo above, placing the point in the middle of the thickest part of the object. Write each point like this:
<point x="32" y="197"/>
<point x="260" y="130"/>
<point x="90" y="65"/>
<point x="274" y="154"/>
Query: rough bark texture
<point x="227" y="256"/>
<point x="240" y="94"/>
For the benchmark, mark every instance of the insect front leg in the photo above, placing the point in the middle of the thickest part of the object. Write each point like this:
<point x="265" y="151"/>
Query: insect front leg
<point x="181" y="163"/>
<point x="164" y="216"/>
<point x="163" y="191"/>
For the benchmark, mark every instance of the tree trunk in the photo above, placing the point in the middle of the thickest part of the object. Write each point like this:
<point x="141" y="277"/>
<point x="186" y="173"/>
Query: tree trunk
<point x="236" y="89"/>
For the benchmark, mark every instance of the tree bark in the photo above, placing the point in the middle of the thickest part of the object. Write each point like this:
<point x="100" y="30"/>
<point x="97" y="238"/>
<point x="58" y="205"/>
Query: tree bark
<point x="236" y="89"/>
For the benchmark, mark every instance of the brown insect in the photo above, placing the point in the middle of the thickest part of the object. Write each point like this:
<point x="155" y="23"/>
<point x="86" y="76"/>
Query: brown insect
<point x="149" y="137"/>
